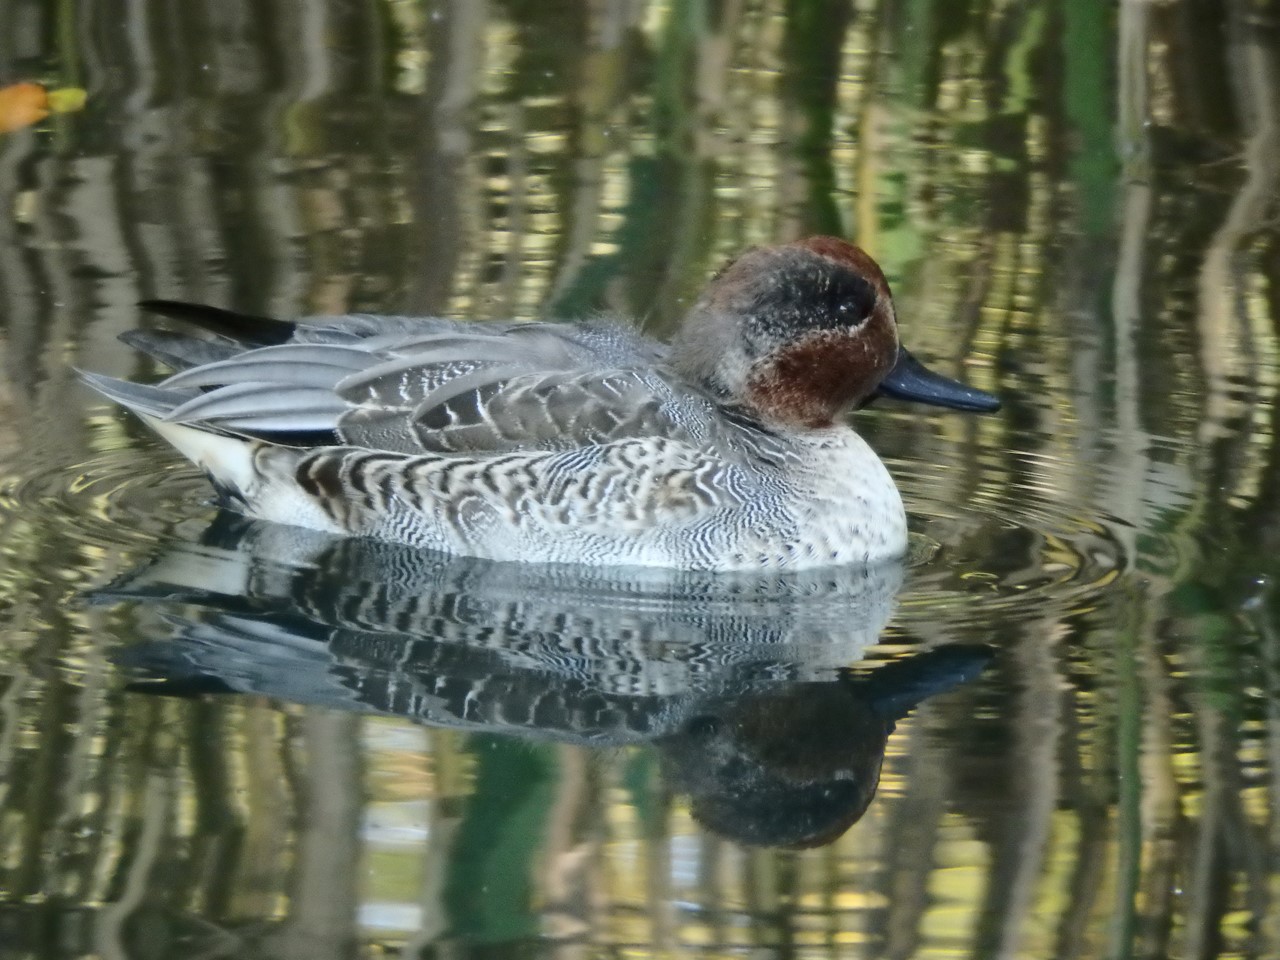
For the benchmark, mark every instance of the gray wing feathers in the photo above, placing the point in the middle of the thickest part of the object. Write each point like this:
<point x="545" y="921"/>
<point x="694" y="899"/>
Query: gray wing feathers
<point x="379" y="428"/>
<point x="544" y="412"/>
<point x="381" y="411"/>
<point x="177" y="350"/>
<point x="298" y="364"/>
<point x="262" y="406"/>
<point x="423" y="385"/>
<point x="367" y="327"/>
<point x="411" y="381"/>
<point x="138" y="397"/>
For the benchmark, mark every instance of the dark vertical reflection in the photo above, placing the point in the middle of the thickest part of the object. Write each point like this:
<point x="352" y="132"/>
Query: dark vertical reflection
<point x="440" y="177"/>
<point x="220" y="833"/>
<point x="323" y="889"/>
<point x="1075" y="201"/>
<point x="812" y="49"/>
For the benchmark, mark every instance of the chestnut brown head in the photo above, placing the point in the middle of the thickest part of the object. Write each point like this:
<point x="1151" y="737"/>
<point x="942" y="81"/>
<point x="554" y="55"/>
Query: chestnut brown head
<point x="800" y="333"/>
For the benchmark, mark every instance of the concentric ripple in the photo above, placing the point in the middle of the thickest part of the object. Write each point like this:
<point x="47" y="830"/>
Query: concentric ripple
<point x="127" y="497"/>
<point x="1024" y="544"/>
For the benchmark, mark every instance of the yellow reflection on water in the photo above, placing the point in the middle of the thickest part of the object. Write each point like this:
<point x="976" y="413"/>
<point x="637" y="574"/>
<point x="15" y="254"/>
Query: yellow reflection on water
<point x="1108" y="787"/>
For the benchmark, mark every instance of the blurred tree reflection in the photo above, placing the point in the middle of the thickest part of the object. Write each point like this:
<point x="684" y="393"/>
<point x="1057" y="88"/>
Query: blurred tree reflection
<point x="1076" y="201"/>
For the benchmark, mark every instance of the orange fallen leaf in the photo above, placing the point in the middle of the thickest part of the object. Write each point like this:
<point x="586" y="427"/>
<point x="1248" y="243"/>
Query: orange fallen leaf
<point x="21" y="105"/>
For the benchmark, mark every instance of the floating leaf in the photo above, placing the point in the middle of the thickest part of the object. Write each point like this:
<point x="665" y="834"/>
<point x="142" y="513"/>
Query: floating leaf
<point x="21" y="105"/>
<point x="67" y="100"/>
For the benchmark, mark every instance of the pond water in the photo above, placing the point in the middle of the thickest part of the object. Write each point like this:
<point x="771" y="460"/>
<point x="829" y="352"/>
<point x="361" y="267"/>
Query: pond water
<point x="225" y="739"/>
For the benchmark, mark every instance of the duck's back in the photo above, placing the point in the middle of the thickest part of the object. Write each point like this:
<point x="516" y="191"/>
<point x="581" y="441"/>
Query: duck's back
<point x="417" y="385"/>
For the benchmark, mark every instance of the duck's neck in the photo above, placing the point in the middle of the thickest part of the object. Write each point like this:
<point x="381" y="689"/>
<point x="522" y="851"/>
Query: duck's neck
<point x="707" y="351"/>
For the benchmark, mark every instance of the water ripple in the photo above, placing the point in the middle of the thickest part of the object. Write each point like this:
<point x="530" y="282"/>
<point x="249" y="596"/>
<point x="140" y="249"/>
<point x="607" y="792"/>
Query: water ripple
<point x="1027" y="544"/>
<point x="126" y="497"/>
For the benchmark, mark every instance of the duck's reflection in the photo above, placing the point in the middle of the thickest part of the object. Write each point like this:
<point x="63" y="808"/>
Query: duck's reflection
<point x="741" y="683"/>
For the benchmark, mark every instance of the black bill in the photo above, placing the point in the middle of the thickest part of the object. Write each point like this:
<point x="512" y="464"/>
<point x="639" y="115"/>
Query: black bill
<point x="912" y="380"/>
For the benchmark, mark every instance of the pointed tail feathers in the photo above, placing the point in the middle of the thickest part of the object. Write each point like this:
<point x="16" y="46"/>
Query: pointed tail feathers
<point x="141" y="398"/>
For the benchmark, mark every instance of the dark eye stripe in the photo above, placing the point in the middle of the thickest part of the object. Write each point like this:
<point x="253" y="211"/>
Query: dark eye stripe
<point x="817" y="296"/>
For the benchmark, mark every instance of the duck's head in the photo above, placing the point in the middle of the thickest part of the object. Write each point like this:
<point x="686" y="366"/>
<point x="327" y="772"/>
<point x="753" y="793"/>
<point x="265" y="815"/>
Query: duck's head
<point x="802" y="332"/>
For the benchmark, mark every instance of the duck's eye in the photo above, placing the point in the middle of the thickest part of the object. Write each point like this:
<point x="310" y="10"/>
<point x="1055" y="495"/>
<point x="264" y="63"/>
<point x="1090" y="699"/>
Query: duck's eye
<point x="850" y="299"/>
<point x="848" y="314"/>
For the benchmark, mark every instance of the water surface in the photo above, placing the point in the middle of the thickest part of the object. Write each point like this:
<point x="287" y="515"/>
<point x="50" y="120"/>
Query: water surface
<point x="1065" y="704"/>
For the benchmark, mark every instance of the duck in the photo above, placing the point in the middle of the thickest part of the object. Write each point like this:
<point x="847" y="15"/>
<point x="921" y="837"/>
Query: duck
<point x="727" y="448"/>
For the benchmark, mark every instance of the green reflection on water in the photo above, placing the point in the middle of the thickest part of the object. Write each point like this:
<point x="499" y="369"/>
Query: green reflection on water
<point x="1076" y="204"/>
<point x="489" y="891"/>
